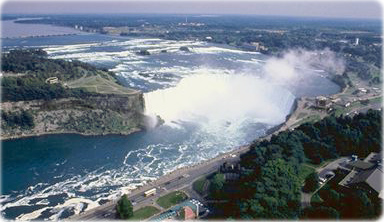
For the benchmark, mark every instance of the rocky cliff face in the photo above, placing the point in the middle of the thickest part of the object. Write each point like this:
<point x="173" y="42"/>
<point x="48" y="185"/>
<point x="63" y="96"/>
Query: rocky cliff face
<point x="92" y="115"/>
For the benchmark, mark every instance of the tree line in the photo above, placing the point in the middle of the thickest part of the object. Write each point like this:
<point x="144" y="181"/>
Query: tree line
<point x="36" y="63"/>
<point x="28" y="88"/>
<point x="269" y="185"/>
<point x="23" y="119"/>
<point x="37" y="68"/>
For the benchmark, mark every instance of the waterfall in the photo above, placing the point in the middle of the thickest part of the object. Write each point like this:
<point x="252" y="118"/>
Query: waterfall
<point x="221" y="99"/>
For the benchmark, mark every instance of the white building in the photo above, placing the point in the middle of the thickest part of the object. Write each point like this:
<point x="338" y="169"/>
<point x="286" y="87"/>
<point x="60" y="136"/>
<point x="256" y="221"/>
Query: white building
<point x="357" y="41"/>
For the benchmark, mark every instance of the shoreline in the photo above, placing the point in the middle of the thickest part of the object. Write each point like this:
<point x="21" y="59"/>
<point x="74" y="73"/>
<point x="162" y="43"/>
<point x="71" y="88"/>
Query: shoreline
<point x="148" y="184"/>
<point x="38" y="36"/>
<point x="26" y="136"/>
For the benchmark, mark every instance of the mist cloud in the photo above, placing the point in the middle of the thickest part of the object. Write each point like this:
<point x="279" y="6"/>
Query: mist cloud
<point x="292" y="63"/>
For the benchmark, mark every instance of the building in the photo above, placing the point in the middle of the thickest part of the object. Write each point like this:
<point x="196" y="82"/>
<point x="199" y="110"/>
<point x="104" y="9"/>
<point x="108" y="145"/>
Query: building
<point x="188" y="210"/>
<point x="52" y="80"/>
<point x="188" y="213"/>
<point x="322" y="102"/>
<point x="365" y="174"/>
<point x="356" y="41"/>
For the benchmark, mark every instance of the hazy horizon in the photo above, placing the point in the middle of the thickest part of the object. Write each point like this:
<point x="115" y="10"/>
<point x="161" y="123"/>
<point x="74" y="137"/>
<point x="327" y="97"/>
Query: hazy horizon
<point x="322" y="9"/>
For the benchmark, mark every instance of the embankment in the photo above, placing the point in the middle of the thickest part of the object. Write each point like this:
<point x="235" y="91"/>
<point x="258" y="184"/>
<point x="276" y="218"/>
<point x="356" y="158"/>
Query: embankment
<point x="92" y="115"/>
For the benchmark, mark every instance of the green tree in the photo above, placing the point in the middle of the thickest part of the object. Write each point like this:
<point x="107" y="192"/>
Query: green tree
<point x="320" y="212"/>
<point x="26" y="119"/>
<point x="217" y="182"/>
<point x="124" y="208"/>
<point x="311" y="183"/>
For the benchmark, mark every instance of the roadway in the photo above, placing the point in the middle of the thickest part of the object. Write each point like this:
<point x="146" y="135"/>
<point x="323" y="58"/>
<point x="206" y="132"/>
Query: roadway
<point x="177" y="180"/>
<point x="322" y="171"/>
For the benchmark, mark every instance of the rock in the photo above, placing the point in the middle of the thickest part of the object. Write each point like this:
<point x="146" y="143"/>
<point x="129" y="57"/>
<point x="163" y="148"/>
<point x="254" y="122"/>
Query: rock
<point x="143" y="52"/>
<point x="184" y="49"/>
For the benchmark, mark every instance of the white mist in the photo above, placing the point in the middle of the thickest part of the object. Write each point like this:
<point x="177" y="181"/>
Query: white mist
<point x="221" y="99"/>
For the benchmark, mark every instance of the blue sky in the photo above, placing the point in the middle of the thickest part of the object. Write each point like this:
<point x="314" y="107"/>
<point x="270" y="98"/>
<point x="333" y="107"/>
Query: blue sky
<point x="346" y="9"/>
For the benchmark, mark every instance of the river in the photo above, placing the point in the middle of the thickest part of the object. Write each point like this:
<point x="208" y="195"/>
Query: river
<point x="213" y="99"/>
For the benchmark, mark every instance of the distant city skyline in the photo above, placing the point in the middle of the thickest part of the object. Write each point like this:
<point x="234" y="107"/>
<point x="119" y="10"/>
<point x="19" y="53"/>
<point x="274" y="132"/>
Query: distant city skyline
<point x="331" y="9"/>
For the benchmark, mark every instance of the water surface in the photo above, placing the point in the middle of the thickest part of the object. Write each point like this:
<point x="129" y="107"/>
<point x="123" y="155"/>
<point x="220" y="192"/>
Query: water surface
<point x="213" y="99"/>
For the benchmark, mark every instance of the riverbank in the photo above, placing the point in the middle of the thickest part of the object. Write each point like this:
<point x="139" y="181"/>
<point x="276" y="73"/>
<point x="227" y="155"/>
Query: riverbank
<point x="14" y="30"/>
<point x="190" y="172"/>
<point x="24" y="136"/>
<point x="39" y="36"/>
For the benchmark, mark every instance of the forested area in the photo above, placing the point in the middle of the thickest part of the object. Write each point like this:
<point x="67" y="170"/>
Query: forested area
<point x="23" y="119"/>
<point x="269" y="184"/>
<point x="37" y="68"/>
<point x="29" y="88"/>
<point x="35" y="63"/>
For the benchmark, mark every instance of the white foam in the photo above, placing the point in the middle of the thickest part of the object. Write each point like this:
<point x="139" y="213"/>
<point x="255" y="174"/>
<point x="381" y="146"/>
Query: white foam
<point x="69" y="48"/>
<point x="215" y="50"/>
<point x="219" y="101"/>
<point x="33" y="215"/>
<point x="220" y="98"/>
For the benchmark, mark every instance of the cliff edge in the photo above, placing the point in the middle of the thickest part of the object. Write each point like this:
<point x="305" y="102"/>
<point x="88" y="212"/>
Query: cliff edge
<point x="57" y="96"/>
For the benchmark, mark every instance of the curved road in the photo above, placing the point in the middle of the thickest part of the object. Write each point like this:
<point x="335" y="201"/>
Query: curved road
<point x="180" y="179"/>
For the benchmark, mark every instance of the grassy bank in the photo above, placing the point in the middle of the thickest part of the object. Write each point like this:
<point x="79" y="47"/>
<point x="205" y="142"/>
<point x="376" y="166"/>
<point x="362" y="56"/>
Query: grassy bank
<point x="171" y="199"/>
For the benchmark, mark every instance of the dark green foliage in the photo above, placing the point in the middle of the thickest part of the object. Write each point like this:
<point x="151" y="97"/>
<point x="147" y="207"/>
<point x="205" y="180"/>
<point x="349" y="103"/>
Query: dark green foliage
<point x="217" y="182"/>
<point x="35" y="63"/>
<point x="311" y="183"/>
<point x="23" y="119"/>
<point x="269" y="183"/>
<point x="364" y="205"/>
<point x="343" y="136"/>
<point x="37" y="68"/>
<point x="320" y="212"/>
<point x="276" y="194"/>
<point x="29" y="88"/>
<point x="124" y="208"/>
<point x="350" y="203"/>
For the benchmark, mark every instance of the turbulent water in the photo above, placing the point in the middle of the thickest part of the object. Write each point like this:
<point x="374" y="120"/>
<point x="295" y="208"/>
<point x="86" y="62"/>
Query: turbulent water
<point x="212" y="99"/>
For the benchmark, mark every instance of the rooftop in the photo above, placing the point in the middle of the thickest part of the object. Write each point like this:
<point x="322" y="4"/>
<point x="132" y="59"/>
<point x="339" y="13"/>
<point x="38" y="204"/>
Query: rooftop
<point x="374" y="157"/>
<point x="368" y="171"/>
<point x="361" y="165"/>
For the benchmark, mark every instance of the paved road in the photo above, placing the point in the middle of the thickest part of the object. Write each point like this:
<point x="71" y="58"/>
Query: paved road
<point x="180" y="179"/>
<point x="331" y="166"/>
<point x="305" y="199"/>
<point x="321" y="171"/>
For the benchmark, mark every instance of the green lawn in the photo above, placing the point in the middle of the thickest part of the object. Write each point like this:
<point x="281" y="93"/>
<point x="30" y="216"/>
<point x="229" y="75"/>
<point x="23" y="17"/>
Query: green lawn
<point x="99" y="84"/>
<point x="311" y="118"/>
<point x="301" y="115"/>
<point x="340" y="110"/>
<point x="322" y="164"/>
<point x="171" y="199"/>
<point x="198" y="185"/>
<point x="305" y="171"/>
<point x="144" y="213"/>
<point x="376" y="100"/>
